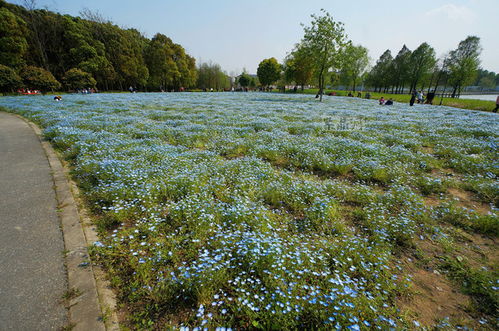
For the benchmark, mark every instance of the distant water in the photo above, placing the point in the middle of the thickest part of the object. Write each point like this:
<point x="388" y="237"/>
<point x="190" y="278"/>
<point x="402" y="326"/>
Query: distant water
<point x="490" y="97"/>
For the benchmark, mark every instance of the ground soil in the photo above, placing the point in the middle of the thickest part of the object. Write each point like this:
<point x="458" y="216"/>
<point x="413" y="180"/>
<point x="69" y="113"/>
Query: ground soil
<point x="433" y="296"/>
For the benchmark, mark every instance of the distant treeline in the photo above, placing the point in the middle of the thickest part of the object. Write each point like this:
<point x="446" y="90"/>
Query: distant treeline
<point x="409" y="70"/>
<point x="420" y="68"/>
<point x="325" y="57"/>
<point x="43" y="50"/>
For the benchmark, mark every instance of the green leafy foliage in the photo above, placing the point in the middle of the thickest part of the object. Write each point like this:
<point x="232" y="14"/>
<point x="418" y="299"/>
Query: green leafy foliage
<point x="354" y="66"/>
<point x="9" y="79"/>
<point x="13" y="44"/>
<point x="244" y="79"/>
<point x="298" y="68"/>
<point x="169" y="66"/>
<point x="422" y="61"/>
<point x="116" y="58"/>
<point x="211" y="76"/>
<point x="418" y="69"/>
<point x="324" y="41"/>
<point x="39" y="79"/>
<point x="269" y="71"/>
<point x="78" y="79"/>
<point x="464" y="62"/>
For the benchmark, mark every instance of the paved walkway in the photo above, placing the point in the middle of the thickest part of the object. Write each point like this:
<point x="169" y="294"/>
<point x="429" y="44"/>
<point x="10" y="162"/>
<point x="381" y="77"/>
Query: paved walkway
<point x="32" y="272"/>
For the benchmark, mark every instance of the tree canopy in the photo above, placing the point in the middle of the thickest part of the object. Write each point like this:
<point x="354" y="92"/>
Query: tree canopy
<point x="211" y="76"/>
<point x="269" y="71"/>
<point x="421" y="61"/>
<point x="39" y="78"/>
<point x="115" y="57"/>
<point x="463" y="63"/>
<point x="298" y="68"/>
<point x="244" y="79"/>
<point x="78" y="79"/>
<point x="324" y="41"/>
<point x="356" y="60"/>
<point x="9" y="79"/>
<point x="13" y="44"/>
<point x="420" y="68"/>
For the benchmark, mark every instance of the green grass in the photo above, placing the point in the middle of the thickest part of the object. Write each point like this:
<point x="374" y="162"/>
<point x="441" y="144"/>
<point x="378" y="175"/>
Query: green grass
<point x="471" y="104"/>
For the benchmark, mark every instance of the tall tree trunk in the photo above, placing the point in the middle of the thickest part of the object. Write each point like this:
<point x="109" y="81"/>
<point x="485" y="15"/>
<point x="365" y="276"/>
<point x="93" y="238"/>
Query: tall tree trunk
<point x="431" y="82"/>
<point x="321" y="81"/>
<point x="321" y="86"/>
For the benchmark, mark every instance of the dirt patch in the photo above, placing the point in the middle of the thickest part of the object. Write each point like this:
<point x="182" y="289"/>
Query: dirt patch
<point x="434" y="299"/>
<point x="480" y="251"/>
<point x="488" y="247"/>
<point x="433" y="296"/>
<point x="467" y="200"/>
<point x="432" y="201"/>
<point x="427" y="150"/>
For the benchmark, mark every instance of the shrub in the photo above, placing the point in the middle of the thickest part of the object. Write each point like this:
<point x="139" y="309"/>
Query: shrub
<point x="78" y="79"/>
<point x="39" y="79"/>
<point x="9" y="79"/>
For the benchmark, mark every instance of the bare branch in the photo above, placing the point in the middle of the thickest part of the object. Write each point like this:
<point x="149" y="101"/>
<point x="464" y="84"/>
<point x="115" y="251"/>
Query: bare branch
<point x="93" y="15"/>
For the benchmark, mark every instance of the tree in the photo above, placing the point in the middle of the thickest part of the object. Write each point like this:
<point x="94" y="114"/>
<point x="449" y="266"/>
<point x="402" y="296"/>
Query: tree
<point x="9" y="79"/>
<point x="186" y="67"/>
<point x="168" y="64"/>
<point x="159" y="60"/>
<point x="191" y="75"/>
<point x="380" y="76"/>
<point x="269" y="71"/>
<point x="254" y="82"/>
<point x="401" y="67"/>
<point x="324" y="42"/>
<point x="13" y="44"/>
<point x="486" y="79"/>
<point x="39" y="79"/>
<point x="487" y="83"/>
<point x="298" y="68"/>
<point x="244" y="79"/>
<point x="422" y="60"/>
<point x="463" y="63"/>
<point x="355" y="63"/>
<point x="440" y="74"/>
<point x="130" y="65"/>
<point x="211" y="76"/>
<point x="78" y="79"/>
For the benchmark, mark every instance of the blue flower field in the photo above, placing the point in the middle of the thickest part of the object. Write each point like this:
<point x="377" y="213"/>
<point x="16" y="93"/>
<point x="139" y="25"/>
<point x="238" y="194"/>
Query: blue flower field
<point x="272" y="211"/>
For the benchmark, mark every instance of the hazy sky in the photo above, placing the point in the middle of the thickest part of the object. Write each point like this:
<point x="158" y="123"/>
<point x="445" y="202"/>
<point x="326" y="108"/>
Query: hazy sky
<point x="239" y="34"/>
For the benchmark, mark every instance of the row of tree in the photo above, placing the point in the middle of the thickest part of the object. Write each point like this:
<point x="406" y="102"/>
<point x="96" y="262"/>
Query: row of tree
<point x="486" y="79"/>
<point x="420" y="68"/>
<point x="325" y="56"/>
<point x="41" y="48"/>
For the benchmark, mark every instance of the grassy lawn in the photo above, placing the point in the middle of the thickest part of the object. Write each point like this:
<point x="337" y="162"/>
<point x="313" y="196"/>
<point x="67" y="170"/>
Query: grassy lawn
<point x="471" y="104"/>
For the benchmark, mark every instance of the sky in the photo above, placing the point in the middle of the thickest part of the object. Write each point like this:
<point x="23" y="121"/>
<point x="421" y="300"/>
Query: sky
<point x="239" y="34"/>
